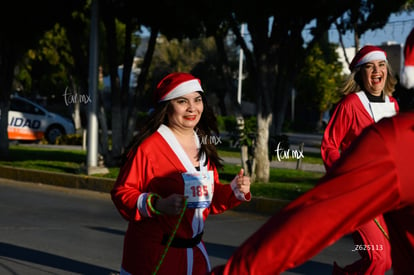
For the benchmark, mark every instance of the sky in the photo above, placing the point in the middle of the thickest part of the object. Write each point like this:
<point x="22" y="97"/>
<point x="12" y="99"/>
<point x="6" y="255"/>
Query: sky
<point x="396" y="30"/>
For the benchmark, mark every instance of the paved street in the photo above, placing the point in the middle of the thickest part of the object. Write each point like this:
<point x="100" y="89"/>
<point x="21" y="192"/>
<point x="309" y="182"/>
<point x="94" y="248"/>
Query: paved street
<point x="53" y="230"/>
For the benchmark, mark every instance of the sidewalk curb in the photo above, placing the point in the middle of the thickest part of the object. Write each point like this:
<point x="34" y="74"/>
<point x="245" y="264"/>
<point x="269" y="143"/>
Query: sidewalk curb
<point x="58" y="179"/>
<point x="256" y="205"/>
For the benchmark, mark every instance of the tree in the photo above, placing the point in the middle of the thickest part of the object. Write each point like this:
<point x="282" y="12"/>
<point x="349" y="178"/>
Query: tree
<point x="16" y="40"/>
<point x="278" y="51"/>
<point x="274" y="53"/>
<point x="319" y="80"/>
<point x="367" y="15"/>
<point x="50" y="65"/>
<point x="123" y="125"/>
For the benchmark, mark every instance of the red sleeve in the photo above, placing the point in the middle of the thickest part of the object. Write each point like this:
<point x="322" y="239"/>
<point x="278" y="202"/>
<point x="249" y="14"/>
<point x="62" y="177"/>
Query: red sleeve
<point x="335" y="132"/>
<point x="335" y="207"/>
<point x="130" y="184"/>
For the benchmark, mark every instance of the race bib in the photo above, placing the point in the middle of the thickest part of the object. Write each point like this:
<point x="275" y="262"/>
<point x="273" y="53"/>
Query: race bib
<point x="198" y="187"/>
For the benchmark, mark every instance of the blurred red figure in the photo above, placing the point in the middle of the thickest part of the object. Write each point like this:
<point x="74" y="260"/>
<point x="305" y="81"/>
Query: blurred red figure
<point x="407" y="75"/>
<point x="373" y="177"/>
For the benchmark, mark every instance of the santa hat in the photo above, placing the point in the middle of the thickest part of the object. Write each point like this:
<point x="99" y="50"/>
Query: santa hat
<point x="367" y="54"/>
<point x="175" y="85"/>
<point x="407" y="74"/>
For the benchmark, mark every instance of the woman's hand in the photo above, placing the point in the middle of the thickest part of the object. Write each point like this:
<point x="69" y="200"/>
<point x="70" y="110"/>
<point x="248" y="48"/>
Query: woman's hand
<point x="241" y="182"/>
<point x="171" y="205"/>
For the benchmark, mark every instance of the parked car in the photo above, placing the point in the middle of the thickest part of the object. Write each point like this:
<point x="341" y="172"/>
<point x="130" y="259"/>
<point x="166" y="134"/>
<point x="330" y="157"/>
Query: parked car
<point x="30" y="121"/>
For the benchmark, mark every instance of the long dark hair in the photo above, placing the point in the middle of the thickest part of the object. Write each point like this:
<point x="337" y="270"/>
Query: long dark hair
<point x="206" y="130"/>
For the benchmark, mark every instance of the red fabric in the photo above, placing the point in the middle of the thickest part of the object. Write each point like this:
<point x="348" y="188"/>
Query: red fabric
<point x="407" y="74"/>
<point x="374" y="176"/>
<point x="155" y="168"/>
<point x="348" y="120"/>
<point x="373" y="261"/>
<point x="409" y="50"/>
<point x="362" y="53"/>
<point x="169" y="82"/>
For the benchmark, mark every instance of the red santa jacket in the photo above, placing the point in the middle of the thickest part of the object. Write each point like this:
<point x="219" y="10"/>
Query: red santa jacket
<point x="156" y="168"/>
<point x="347" y="122"/>
<point x="374" y="176"/>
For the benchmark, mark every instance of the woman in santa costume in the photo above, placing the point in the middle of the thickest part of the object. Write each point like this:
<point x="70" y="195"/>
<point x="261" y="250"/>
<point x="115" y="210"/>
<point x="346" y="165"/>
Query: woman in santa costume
<point x="368" y="98"/>
<point x="169" y="183"/>
<point x="374" y="176"/>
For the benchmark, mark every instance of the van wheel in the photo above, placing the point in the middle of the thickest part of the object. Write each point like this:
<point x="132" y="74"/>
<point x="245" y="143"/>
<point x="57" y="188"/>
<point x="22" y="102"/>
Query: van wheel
<point x="53" y="133"/>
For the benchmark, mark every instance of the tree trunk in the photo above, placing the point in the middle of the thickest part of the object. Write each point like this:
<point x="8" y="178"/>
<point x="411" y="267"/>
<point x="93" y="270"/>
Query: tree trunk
<point x="234" y="107"/>
<point x="8" y="61"/>
<point x="4" y="139"/>
<point x="132" y="118"/>
<point x="356" y="38"/>
<point x="228" y="83"/>
<point x="104" y="136"/>
<point x="75" y="110"/>
<point x="262" y="149"/>
<point x="126" y="91"/>
<point x="116" y="110"/>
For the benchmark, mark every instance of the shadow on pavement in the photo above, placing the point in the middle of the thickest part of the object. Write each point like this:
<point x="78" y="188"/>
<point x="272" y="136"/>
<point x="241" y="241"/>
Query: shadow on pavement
<point x="107" y="230"/>
<point x="219" y="250"/>
<point x="309" y="268"/>
<point x="47" y="259"/>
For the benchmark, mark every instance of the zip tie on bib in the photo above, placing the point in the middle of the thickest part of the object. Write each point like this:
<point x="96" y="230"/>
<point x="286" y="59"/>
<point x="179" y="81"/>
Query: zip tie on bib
<point x="167" y="246"/>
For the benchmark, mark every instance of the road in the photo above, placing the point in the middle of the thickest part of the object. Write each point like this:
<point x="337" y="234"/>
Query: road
<point x="53" y="230"/>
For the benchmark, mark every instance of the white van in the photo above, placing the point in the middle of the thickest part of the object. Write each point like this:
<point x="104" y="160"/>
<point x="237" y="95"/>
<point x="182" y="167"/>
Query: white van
<point x="30" y="121"/>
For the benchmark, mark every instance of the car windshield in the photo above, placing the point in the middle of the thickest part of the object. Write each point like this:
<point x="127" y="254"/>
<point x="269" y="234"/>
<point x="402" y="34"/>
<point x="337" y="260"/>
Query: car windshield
<point x="24" y="107"/>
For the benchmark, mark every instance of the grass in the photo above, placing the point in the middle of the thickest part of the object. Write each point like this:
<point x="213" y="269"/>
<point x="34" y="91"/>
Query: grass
<point x="283" y="184"/>
<point x="314" y="158"/>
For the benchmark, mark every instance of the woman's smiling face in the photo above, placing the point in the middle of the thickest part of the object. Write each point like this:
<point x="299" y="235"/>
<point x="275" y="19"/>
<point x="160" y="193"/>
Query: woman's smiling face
<point x="186" y="111"/>
<point x="374" y="75"/>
